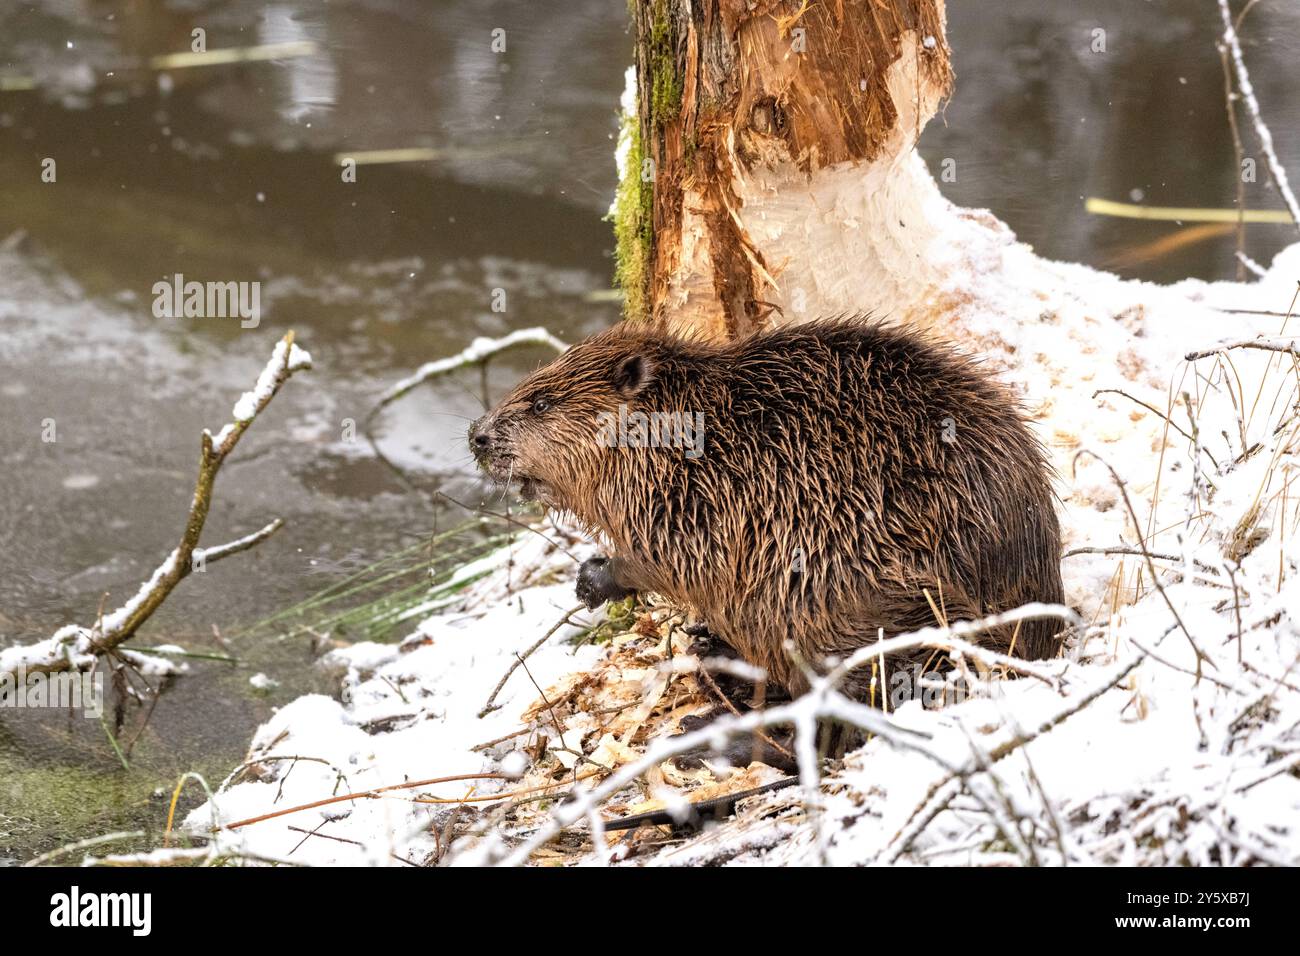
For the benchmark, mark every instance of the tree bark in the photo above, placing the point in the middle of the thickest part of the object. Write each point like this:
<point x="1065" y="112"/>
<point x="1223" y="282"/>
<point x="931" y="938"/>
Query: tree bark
<point x="771" y="174"/>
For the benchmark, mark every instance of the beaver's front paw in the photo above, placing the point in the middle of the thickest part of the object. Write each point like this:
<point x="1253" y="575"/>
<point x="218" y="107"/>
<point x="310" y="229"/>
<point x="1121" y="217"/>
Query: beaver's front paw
<point x="596" y="583"/>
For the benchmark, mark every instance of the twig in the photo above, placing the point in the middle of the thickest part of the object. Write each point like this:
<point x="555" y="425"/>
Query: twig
<point x="951" y="639"/>
<point x="1155" y="411"/>
<point x="1151" y="567"/>
<point x="208" y="855"/>
<point x="559" y="728"/>
<point x="931" y="806"/>
<point x="244" y="54"/>
<point x="859" y="715"/>
<point x="488" y="744"/>
<point x="314" y="832"/>
<point x="1250" y="264"/>
<point x="698" y="811"/>
<point x="63" y="851"/>
<point x="241" y="544"/>
<point x="363" y="795"/>
<point x="713" y="686"/>
<point x="1135" y="552"/>
<point x="1157" y="555"/>
<point x="491" y="704"/>
<point x="1269" y="312"/>
<point x="281" y="758"/>
<point x="822" y="701"/>
<point x="516" y="795"/>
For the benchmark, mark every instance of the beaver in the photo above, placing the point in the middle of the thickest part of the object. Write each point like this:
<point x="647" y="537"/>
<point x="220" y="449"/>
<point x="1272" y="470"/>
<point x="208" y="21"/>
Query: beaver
<point x="821" y="483"/>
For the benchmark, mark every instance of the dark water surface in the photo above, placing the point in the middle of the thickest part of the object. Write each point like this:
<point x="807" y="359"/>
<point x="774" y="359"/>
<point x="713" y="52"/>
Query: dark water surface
<point x="230" y="173"/>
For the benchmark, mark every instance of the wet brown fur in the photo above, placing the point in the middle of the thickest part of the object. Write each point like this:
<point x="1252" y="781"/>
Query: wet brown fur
<point x="825" y="440"/>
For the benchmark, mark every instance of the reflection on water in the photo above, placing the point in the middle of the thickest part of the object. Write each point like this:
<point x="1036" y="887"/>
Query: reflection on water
<point x="228" y="173"/>
<point x="1041" y="121"/>
<point x="311" y="85"/>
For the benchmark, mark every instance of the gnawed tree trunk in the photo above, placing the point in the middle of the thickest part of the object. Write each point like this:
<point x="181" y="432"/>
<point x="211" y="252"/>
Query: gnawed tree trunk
<point x="772" y="174"/>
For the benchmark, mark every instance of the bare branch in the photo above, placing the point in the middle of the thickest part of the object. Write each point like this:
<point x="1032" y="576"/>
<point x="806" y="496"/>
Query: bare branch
<point x="241" y="544"/>
<point x="1266" y="345"/>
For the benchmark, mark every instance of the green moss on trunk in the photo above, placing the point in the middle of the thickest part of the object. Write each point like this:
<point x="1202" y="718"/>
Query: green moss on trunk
<point x="633" y="227"/>
<point x="659" y="102"/>
<point x="665" y="80"/>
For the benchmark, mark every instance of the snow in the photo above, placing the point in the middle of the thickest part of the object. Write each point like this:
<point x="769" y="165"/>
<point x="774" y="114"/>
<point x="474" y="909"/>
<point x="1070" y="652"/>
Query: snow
<point x="627" y="117"/>
<point x="71" y="642"/>
<point x="1137" y="752"/>
<point x="425" y="694"/>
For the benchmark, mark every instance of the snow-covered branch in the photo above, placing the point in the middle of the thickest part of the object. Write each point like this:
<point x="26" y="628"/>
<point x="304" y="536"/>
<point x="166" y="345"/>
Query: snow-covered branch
<point x="1247" y="93"/>
<point x="75" y="646"/>
<point x="479" y="351"/>
<point x="1264" y="345"/>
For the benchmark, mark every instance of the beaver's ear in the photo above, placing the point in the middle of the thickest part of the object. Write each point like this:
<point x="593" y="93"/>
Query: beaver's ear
<point x="632" y="374"/>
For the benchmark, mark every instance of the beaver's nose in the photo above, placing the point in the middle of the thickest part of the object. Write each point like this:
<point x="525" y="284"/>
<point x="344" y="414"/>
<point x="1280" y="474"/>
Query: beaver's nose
<point x="480" y="438"/>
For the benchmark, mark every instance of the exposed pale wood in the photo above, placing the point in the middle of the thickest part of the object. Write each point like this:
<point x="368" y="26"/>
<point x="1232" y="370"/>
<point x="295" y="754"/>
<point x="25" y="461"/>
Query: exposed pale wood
<point x="782" y="159"/>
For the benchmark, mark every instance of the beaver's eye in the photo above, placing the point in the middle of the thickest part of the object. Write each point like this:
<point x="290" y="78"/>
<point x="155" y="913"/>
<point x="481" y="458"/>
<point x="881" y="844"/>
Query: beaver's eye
<point x="541" y="405"/>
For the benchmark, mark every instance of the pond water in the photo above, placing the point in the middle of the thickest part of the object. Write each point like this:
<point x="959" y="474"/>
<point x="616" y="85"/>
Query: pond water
<point x="230" y="173"/>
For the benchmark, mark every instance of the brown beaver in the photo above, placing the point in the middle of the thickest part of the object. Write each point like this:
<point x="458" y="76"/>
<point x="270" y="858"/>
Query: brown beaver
<point x="808" y="483"/>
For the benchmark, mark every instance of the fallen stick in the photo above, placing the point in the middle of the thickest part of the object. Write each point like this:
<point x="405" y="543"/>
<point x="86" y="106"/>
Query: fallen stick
<point x="242" y="54"/>
<point x="699" y="812"/>
<point x="1124" y="210"/>
<point x="371" y="794"/>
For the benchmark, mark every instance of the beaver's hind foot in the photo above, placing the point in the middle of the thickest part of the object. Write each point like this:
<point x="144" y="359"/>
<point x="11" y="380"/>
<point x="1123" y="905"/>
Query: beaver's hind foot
<point x="774" y="748"/>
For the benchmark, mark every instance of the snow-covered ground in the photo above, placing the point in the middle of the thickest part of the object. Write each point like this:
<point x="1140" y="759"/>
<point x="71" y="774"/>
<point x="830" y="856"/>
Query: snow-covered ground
<point x="1169" y="733"/>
